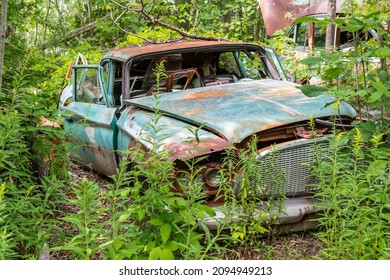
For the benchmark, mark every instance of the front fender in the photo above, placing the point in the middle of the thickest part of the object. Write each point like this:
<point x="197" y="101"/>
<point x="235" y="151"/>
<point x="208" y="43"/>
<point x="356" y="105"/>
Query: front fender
<point x="163" y="133"/>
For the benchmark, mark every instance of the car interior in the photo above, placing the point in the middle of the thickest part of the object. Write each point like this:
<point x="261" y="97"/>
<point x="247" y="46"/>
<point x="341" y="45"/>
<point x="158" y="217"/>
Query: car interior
<point x="192" y="70"/>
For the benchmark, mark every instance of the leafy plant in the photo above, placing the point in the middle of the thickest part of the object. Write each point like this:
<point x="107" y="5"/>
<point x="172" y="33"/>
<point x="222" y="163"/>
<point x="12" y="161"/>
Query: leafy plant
<point x="25" y="149"/>
<point x="355" y="189"/>
<point x="86" y="221"/>
<point x="254" y="215"/>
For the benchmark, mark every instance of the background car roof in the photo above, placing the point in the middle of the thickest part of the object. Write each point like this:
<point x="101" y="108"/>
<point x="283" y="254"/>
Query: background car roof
<point x="277" y="14"/>
<point x="319" y="8"/>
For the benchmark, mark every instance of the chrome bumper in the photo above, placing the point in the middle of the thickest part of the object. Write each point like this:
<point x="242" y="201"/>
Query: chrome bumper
<point x="287" y="212"/>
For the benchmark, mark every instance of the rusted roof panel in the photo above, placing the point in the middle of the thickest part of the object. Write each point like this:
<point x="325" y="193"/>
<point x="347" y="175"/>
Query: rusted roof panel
<point x="277" y="14"/>
<point x="132" y="51"/>
<point x="318" y="9"/>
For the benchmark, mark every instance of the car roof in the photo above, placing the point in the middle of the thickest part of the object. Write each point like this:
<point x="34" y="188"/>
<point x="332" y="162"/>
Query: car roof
<point x="127" y="53"/>
<point x="277" y="14"/>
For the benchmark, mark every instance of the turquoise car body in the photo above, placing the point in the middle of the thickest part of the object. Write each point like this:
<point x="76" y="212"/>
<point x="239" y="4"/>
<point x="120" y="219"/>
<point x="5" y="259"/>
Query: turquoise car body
<point x="201" y="118"/>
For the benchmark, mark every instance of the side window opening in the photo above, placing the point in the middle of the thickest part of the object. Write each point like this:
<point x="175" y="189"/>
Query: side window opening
<point x="301" y="34"/>
<point x="117" y="88"/>
<point x="347" y="39"/>
<point x="252" y="65"/>
<point x="319" y="36"/>
<point x="227" y="64"/>
<point x="88" y="86"/>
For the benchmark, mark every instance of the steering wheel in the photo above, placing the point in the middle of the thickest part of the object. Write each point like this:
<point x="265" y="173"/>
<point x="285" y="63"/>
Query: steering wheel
<point x="175" y="75"/>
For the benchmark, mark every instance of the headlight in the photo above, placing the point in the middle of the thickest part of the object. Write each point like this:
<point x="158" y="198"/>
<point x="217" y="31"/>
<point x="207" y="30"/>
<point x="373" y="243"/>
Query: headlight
<point x="207" y="177"/>
<point x="212" y="176"/>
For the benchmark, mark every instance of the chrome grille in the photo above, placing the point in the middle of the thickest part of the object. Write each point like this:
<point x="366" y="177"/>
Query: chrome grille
<point x="285" y="169"/>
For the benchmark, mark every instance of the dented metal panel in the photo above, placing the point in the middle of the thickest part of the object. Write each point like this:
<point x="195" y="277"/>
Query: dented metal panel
<point x="93" y="128"/>
<point x="174" y="135"/>
<point x="235" y="111"/>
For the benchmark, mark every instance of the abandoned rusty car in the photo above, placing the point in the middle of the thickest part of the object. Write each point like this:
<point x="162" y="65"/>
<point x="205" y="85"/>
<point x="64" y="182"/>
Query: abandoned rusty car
<point x="219" y="94"/>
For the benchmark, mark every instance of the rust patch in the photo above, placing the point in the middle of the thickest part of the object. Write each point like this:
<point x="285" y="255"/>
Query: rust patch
<point x="273" y="125"/>
<point x="193" y="96"/>
<point x="300" y="131"/>
<point x="195" y="149"/>
<point x="135" y="50"/>
<point x="192" y="112"/>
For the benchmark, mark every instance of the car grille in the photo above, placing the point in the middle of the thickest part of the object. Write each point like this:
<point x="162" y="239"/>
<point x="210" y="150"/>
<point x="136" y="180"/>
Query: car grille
<point x="284" y="170"/>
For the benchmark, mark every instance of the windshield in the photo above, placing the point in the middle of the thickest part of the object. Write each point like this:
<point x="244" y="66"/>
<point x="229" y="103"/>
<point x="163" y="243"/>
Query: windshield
<point x="181" y="71"/>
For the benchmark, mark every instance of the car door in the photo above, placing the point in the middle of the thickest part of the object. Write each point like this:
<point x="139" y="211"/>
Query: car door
<point x="90" y="118"/>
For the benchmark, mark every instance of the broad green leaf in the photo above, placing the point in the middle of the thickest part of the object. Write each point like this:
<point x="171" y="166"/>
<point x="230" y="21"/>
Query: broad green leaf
<point x="124" y="217"/>
<point x="166" y="254"/>
<point x="312" y="90"/>
<point x="155" y="253"/>
<point x="156" y="222"/>
<point x="238" y="235"/>
<point x="355" y="24"/>
<point x="173" y="246"/>
<point x="118" y="244"/>
<point x="383" y="76"/>
<point x="125" y="192"/>
<point x="141" y="215"/>
<point x="374" y="96"/>
<point x="379" y="86"/>
<point x="208" y="210"/>
<point x="312" y="61"/>
<point x="383" y="52"/>
<point x="165" y="232"/>
<point x="150" y="245"/>
<point x="333" y="72"/>
<point x="175" y="217"/>
<point x="306" y="19"/>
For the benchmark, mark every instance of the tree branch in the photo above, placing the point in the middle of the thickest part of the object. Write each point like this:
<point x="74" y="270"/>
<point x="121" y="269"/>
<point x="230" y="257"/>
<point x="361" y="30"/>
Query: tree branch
<point x="124" y="10"/>
<point x="156" y="21"/>
<point x="181" y="32"/>
<point x="115" y="21"/>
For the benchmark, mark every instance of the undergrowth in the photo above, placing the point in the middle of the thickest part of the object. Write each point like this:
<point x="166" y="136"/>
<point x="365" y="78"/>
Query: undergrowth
<point x="355" y="191"/>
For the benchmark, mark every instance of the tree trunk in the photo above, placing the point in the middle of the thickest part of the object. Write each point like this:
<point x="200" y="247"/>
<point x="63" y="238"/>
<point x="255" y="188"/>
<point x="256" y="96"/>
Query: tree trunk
<point x="310" y="37"/>
<point x="3" y="32"/>
<point x="329" y="41"/>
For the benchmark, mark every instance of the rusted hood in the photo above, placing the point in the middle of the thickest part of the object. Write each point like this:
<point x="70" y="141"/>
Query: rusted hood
<point x="178" y="137"/>
<point x="235" y="111"/>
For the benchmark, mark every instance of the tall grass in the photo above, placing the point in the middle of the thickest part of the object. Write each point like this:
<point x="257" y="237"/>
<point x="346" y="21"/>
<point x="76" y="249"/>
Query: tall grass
<point x="28" y="199"/>
<point x="354" y="182"/>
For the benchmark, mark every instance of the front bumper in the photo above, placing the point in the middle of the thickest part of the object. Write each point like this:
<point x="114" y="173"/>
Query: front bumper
<point x="292" y="212"/>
